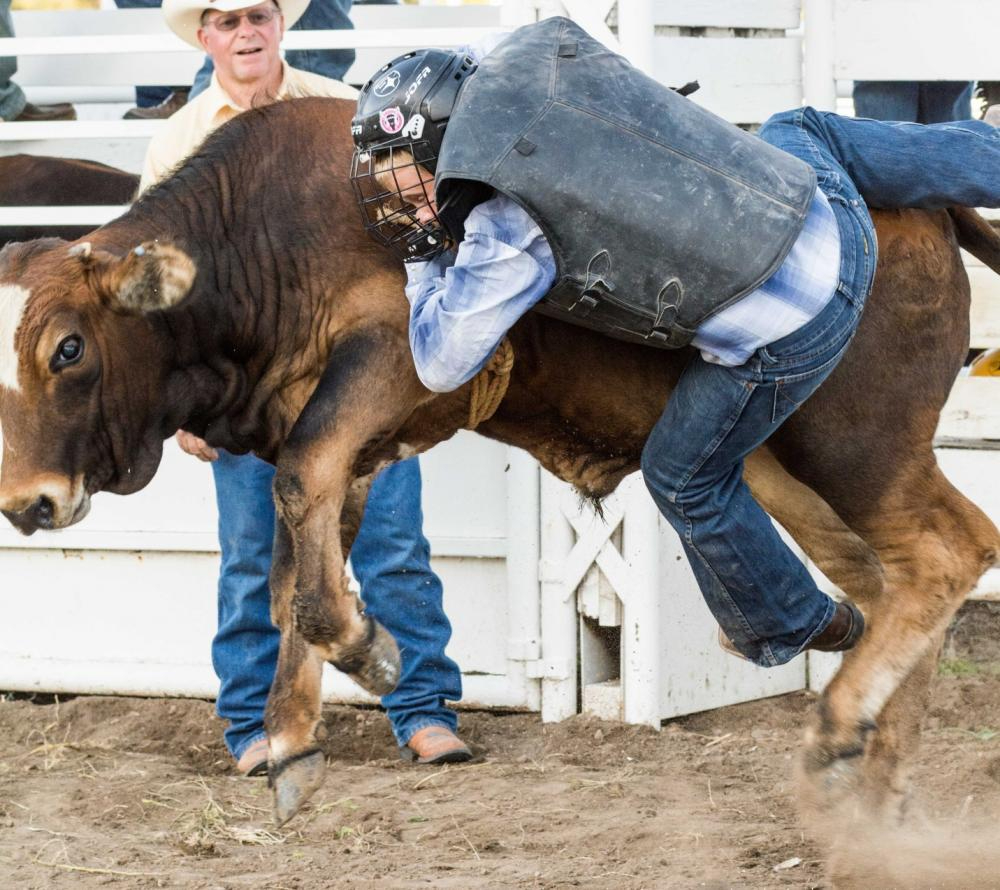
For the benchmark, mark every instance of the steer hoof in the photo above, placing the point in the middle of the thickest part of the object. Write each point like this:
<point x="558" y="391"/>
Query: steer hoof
<point x="375" y="667"/>
<point x="293" y="781"/>
<point x="831" y="773"/>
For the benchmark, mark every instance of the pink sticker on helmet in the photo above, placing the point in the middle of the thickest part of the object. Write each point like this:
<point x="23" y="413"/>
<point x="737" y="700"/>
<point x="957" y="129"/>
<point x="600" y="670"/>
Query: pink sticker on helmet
<point x="391" y="120"/>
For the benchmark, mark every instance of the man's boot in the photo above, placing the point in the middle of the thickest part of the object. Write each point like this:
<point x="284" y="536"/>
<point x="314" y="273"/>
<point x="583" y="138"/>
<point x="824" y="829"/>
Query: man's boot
<point x="174" y="102"/>
<point x="38" y="113"/>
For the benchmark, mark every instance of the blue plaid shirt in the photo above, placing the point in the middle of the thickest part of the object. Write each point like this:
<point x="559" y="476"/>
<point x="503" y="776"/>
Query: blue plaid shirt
<point x="462" y="303"/>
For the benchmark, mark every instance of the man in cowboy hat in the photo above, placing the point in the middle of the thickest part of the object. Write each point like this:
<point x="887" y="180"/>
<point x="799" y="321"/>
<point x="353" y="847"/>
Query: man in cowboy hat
<point x="390" y="556"/>
<point x="243" y="42"/>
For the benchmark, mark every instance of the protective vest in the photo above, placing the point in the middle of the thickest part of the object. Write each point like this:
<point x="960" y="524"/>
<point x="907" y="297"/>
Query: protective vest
<point x="659" y="213"/>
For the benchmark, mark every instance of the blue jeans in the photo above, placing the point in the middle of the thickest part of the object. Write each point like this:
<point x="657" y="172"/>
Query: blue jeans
<point x="760" y="593"/>
<point x="11" y="96"/>
<point x="320" y="15"/>
<point x="390" y="559"/>
<point x="917" y="101"/>
<point x="146" y="96"/>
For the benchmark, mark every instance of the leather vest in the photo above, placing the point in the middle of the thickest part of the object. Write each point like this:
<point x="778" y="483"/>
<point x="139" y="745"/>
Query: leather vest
<point x="659" y="213"/>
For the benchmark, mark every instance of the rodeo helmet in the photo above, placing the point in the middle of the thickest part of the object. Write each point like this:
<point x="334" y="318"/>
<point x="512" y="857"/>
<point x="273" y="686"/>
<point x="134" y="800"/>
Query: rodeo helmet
<point x="400" y="122"/>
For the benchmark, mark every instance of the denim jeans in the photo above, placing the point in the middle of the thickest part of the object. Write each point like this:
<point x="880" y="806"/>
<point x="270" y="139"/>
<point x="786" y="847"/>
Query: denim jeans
<point x="917" y="101"/>
<point x="390" y="559"/>
<point x="320" y="15"/>
<point x="761" y="595"/>
<point x="11" y="96"/>
<point x="146" y="96"/>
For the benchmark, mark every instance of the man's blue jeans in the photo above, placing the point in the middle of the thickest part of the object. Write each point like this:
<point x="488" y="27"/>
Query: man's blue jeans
<point x="320" y="15"/>
<point x="917" y="101"/>
<point x="390" y="559"/>
<point x="761" y="595"/>
<point x="11" y="96"/>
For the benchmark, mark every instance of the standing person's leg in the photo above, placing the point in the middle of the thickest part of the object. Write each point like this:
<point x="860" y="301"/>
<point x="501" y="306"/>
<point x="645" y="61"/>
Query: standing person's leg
<point x="391" y="559"/>
<point x="945" y="100"/>
<point x="245" y="648"/>
<point x="12" y="99"/>
<point x="887" y="100"/>
<point x="322" y="15"/>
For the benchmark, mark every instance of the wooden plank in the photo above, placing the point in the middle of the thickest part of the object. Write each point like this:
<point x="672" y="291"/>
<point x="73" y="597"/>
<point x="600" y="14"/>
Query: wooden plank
<point x="779" y="14"/>
<point x="744" y="81"/>
<point x="968" y="470"/>
<point x="972" y="411"/>
<point x="150" y="21"/>
<point x="69" y="39"/>
<point x="916" y="39"/>
<point x="985" y="314"/>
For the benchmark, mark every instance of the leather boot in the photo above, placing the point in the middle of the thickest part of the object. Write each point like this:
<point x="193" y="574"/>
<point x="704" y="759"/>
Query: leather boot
<point x="38" y="113"/>
<point x="841" y="634"/>
<point x="174" y="102"/>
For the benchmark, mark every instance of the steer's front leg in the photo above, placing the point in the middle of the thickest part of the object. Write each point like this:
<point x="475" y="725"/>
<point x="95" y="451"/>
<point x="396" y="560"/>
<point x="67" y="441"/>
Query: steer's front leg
<point x="367" y="390"/>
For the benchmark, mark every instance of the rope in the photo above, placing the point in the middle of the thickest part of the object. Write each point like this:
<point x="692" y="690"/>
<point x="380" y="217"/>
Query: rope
<point x="489" y="386"/>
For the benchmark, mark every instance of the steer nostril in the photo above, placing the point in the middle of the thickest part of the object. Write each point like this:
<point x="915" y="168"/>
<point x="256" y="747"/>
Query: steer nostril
<point x="43" y="510"/>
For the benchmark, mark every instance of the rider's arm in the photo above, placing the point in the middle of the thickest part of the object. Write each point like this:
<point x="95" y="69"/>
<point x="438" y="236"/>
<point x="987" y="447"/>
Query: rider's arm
<point x="462" y="304"/>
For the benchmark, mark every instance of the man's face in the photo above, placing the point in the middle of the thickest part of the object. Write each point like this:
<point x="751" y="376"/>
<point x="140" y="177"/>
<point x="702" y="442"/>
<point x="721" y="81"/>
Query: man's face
<point x="248" y="52"/>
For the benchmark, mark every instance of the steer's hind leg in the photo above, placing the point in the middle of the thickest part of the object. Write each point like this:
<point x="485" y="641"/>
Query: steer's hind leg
<point x="892" y="750"/>
<point x="934" y="545"/>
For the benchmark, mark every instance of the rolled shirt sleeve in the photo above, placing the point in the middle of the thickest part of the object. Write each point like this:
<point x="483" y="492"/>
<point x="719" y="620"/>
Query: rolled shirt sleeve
<point x="462" y="304"/>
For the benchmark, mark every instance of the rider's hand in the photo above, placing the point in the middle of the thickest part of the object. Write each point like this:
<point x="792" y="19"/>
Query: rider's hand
<point x="192" y="444"/>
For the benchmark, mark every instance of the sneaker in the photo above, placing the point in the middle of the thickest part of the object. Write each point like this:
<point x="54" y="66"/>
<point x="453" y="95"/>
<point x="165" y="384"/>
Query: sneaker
<point x="174" y="102"/>
<point x="435" y="744"/>
<point x="841" y="634"/>
<point x="37" y="113"/>
<point x="253" y="761"/>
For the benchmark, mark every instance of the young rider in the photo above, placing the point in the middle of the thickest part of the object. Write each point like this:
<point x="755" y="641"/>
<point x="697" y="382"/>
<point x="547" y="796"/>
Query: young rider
<point x="551" y="173"/>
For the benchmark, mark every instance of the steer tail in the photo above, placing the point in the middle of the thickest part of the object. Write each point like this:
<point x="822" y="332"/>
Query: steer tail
<point x="977" y="236"/>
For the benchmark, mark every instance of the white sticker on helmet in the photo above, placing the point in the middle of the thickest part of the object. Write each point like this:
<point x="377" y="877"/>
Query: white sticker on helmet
<point x="419" y="79"/>
<point x="391" y="120"/>
<point x="415" y="127"/>
<point x="387" y="85"/>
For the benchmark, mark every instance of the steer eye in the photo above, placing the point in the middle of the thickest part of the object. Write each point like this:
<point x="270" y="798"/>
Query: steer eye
<point x="68" y="352"/>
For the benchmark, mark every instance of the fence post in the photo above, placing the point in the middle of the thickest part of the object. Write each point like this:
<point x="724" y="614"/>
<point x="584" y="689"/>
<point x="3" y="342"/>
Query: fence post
<point x="819" y="81"/>
<point x="640" y="639"/>
<point x="636" y="31"/>
<point x="523" y="554"/>
<point x="514" y="13"/>
<point x="557" y="667"/>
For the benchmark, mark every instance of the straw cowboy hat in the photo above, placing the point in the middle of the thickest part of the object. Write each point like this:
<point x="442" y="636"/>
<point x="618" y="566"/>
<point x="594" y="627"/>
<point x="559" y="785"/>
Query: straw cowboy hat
<point x="184" y="16"/>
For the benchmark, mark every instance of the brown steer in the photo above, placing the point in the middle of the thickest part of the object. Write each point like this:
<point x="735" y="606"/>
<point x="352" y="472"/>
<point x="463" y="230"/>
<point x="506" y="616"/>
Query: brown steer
<point x="37" y="181"/>
<point x="240" y="300"/>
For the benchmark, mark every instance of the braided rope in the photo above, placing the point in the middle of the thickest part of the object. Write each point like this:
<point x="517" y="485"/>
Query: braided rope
<point x="489" y="386"/>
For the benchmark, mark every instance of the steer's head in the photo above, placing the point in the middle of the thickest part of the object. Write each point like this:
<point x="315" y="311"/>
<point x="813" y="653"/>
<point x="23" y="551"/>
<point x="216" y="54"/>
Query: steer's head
<point x="84" y="358"/>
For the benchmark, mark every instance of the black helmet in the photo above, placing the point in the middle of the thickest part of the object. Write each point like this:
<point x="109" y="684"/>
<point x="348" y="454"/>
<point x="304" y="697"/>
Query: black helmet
<point x="400" y="122"/>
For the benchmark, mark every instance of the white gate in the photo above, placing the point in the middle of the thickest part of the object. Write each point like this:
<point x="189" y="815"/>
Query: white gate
<point x="553" y="608"/>
<point x="125" y="601"/>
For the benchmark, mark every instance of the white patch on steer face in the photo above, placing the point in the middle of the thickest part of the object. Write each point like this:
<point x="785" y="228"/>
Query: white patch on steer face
<point x="12" y="302"/>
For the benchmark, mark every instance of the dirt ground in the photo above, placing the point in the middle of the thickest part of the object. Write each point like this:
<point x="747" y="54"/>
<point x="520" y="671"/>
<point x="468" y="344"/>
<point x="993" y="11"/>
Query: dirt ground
<point x="126" y="792"/>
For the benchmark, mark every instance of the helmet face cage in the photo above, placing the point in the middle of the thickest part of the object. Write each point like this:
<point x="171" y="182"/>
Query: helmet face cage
<point x="380" y="177"/>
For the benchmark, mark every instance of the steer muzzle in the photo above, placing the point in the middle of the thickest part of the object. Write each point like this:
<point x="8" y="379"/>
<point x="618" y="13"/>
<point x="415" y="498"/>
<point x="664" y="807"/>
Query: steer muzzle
<point x="37" y="515"/>
<point x="54" y="504"/>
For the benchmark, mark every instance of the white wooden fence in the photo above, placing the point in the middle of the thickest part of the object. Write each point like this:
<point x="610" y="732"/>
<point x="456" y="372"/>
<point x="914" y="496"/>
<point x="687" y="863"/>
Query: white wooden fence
<point x="553" y="608"/>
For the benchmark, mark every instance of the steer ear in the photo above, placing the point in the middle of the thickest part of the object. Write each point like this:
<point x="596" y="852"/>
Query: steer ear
<point x="149" y="278"/>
